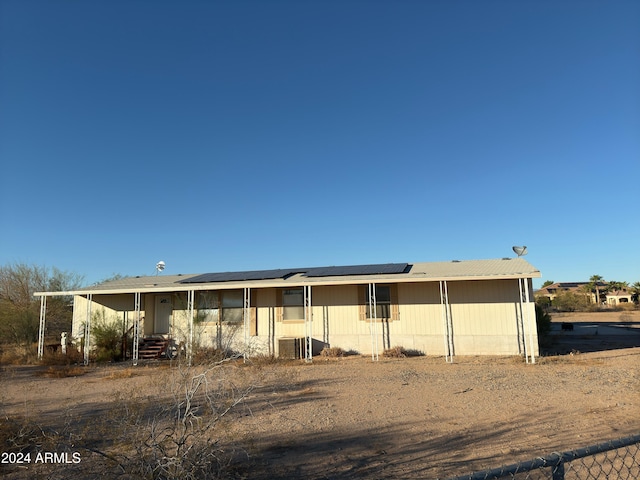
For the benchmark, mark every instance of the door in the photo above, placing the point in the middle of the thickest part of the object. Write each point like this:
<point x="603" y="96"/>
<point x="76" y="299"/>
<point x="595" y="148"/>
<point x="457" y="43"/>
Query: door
<point x="162" y="319"/>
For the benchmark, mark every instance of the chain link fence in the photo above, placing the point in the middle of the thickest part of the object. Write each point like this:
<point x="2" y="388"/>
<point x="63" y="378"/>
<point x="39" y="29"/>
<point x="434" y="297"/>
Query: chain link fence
<point x="615" y="460"/>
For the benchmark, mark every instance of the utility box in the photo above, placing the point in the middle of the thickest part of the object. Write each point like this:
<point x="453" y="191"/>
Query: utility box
<point x="291" y="348"/>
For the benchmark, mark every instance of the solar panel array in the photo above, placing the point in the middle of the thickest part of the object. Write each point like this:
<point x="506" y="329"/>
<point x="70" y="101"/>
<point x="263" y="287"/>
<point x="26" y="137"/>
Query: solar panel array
<point x="283" y="273"/>
<point x="243" y="276"/>
<point x="384" y="268"/>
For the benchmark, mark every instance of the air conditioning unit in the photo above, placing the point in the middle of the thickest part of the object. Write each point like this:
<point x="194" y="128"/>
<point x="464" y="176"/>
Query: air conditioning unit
<point x="291" y="348"/>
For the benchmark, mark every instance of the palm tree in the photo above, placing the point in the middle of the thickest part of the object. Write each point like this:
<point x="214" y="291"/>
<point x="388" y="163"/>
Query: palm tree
<point x="595" y="281"/>
<point x="613" y="285"/>
<point x="635" y="290"/>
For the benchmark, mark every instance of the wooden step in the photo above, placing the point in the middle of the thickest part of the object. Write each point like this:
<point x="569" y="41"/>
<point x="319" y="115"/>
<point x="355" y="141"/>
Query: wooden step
<point x="151" y="348"/>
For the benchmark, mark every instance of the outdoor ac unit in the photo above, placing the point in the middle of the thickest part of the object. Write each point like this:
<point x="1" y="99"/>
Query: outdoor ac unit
<point x="291" y="348"/>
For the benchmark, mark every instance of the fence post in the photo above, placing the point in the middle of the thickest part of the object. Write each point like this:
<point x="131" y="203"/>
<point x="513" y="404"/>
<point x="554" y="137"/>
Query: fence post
<point x="558" y="470"/>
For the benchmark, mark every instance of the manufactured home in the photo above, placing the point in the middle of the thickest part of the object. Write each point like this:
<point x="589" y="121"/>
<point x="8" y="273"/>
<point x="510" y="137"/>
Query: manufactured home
<point x="472" y="307"/>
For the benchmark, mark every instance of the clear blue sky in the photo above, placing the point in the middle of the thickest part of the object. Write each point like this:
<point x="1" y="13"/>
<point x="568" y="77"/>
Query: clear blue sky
<point x="241" y="135"/>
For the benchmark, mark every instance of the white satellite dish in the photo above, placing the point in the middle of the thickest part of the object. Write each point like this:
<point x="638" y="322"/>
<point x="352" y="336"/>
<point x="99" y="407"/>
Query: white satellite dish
<point x="159" y="266"/>
<point x="520" y="251"/>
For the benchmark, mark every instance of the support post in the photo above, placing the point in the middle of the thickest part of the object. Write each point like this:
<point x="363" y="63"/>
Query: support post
<point x="308" y="325"/>
<point x="43" y="314"/>
<point x="190" y="308"/>
<point x="246" y="318"/>
<point x="87" y="330"/>
<point x="523" y="339"/>
<point x="373" y="324"/>
<point x="519" y="323"/>
<point x="528" y="317"/>
<point x="447" y="321"/>
<point x="136" y="329"/>
<point x="558" y="471"/>
<point x="529" y="352"/>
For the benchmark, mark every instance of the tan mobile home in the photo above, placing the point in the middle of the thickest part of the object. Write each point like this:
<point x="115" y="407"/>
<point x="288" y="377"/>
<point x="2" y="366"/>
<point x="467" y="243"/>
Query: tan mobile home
<point x="474" y="307"/>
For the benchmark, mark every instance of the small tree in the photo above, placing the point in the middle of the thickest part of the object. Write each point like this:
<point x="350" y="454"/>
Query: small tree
<point x="543" y="301"/>
<point x="543" y="321"/>
<point x="20" y="311"/>
<point x="567" y="301"/>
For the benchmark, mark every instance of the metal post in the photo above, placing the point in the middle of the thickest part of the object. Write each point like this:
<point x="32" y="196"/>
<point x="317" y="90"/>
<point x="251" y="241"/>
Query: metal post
<point x="308" y="318"/>
<point x="558" y="471"/>
<point x="447" y="320"/>
<point x="450" y="321"/>
<point x="528" y="317"/>
<point x="445" y="324"/>
<point x="190" y="298"/>
<point x="522" y="325"/>
<point x="246" y="316"/>
<point x="373" y="323"/>
<point x="43" y="313"/>
<point x="375" y="319"/>
<point x="87" y="330"/>
<point x="136" y="329"/>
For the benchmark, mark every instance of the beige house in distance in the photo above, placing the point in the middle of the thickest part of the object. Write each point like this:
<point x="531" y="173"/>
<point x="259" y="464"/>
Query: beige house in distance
<point x="579" y="288"/>
<point x="616" y="297"/>
<point x="474" y="307"/>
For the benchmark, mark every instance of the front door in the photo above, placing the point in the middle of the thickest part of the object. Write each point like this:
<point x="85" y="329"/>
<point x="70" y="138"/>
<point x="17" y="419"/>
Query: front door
<point x="162" y="320"/>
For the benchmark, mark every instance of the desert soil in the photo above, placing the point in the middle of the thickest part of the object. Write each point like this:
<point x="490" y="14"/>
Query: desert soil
<point x="419" y="417"/>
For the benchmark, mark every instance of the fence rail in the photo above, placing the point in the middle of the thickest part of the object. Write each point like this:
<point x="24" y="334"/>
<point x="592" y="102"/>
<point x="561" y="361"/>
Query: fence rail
<point x="615" y="459"/>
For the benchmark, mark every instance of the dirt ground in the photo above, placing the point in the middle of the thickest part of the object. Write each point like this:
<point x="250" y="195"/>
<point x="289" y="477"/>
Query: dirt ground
<point x="419" y="417"/>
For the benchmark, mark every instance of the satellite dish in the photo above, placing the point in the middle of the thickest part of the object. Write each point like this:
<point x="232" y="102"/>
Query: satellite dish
<point x="159" y="266"/>
<point x="520" y="251"/>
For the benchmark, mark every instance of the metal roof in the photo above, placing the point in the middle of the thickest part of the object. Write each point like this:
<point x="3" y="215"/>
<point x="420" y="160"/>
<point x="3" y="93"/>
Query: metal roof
<point x="354" y="274"/>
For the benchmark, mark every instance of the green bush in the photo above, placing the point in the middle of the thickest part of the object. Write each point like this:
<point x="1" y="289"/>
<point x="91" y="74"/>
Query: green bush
<point x="543" y="321"/>
<point x="107" y="338"/>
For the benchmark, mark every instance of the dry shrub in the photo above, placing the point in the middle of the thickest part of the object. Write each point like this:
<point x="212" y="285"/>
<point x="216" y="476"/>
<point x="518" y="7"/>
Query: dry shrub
<point x="72" y="357"/>
<point x="627" y="307"/>
<point x="17" y="434"/>
<point x="62" y="372"/>
<point x="394" y="352"/>
<point x="18" y="354"/>
<point x="401" y="352"/>
<point x="122" y="373"/>
<point x="173" y="434"/>
<point x="264" y="360"/>
<point x="332" y="352"/>
<point x="208" y="355"/>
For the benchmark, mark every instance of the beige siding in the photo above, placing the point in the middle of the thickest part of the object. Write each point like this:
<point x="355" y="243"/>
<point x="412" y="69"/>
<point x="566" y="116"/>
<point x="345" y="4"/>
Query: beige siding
<point x="108" y="307"/>
<point x="485" y="315"/>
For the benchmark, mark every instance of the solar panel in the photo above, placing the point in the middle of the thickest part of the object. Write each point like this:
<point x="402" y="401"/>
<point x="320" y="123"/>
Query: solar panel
<point x="379" y="269"/>
<point x="284" y="273"/>
<point x="243" y="276"/>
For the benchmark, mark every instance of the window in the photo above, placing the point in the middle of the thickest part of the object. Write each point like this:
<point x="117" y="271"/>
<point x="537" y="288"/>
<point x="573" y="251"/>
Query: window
<point x="232" y="306"/>
<point x="387" y="307"/>
<point x="207" y="306"/>
<point x="383" y="302"/>
<point x="293" y="304"/>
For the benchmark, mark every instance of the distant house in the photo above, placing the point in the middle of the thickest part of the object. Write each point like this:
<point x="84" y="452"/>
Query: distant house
<point x="476" y="307"/>
<point x="579" y="288"/>
<point x="617" y="297"/>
